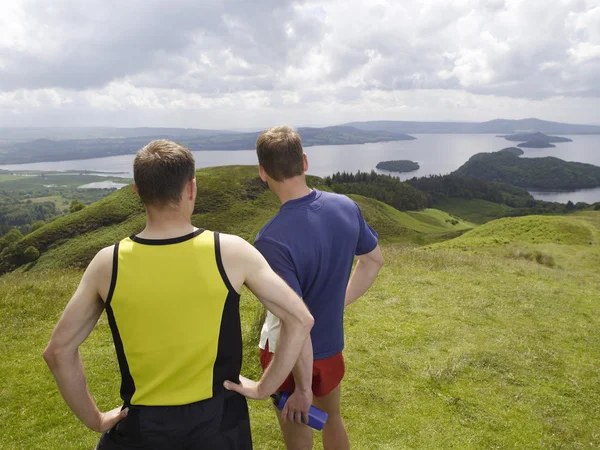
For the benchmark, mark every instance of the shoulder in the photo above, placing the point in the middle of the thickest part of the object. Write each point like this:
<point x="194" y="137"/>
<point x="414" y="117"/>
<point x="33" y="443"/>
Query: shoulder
<point x="104" y="258"/>
<point x="340" y="202"/>
<point x="269" y="228"/>
<point x="231" y="240"/>
<point x="101" y="271"/>
<point x="337" y="198"/>
<point x="234" y="248"/>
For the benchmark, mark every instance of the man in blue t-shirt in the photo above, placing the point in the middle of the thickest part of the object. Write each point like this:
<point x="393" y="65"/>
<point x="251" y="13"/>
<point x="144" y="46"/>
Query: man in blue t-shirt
<point x="311" y="243"/>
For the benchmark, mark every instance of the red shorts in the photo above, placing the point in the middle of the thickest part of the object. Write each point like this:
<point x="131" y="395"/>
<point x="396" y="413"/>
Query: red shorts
<point x="327" y="373"/>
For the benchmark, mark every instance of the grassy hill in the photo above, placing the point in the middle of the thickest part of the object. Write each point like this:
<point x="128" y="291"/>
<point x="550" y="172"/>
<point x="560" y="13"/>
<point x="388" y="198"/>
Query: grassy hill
<point x="567" y="242"/>
<point x="461" y="344"/>
<point x="230" y="199"/>
<point x="475" y="210"/>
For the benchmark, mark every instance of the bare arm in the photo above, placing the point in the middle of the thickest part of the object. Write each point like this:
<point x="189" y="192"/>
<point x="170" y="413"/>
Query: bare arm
<point x="62" y="353"/>
<point x="243" y="263"/>
<point x="364" y="275"/>
<point x="298" y="405"/>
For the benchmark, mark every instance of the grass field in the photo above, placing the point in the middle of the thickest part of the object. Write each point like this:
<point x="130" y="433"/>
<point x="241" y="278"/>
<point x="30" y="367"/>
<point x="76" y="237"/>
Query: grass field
<point x="448" y="350"/>
<point x="5" y="177"/>
<point x="465" y="343"/>
<point x="62" y="204"/>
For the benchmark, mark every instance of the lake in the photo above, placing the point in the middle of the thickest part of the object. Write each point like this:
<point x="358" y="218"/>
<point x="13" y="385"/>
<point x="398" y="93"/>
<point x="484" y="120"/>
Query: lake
<point x="435" y="153"/>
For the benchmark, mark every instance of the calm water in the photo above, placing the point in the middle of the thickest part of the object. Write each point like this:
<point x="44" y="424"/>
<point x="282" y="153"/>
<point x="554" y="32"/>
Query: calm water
<point x="102" y="185"/>
<point x="436" y="154"/>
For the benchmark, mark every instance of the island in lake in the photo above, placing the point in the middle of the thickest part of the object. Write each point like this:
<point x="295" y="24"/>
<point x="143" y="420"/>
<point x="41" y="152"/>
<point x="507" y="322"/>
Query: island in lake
<point x="535" y="140"/>
<point x="539" y="173"/>
<point x="536" y="144"/>
<point x="398" y="166"/>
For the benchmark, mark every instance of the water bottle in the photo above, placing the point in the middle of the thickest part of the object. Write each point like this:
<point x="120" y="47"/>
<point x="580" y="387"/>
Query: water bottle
<point x="316" y="417"/>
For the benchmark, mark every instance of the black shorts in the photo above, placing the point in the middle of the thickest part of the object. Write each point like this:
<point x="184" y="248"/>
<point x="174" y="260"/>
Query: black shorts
<point x="219" y="423"/>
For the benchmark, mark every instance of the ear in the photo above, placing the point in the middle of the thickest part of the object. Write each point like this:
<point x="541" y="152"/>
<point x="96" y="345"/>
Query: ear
<point x="305" y="162"/>
<point x="137" y="192"/>
<point x="262" y="173"/>
<point x="192" y="189"/>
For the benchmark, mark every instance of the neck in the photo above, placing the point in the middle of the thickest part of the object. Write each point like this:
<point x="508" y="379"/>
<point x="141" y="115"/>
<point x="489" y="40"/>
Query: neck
<point x="166" y="223"/>
<point x="291" y="189"/>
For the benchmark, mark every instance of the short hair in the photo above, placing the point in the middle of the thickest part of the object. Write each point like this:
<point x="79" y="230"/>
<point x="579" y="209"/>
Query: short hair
<point x="160" y="171"/>
<point x="280" y="152"/>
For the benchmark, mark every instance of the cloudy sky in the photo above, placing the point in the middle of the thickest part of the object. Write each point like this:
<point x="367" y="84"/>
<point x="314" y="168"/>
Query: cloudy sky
<point x="245" y="64"/>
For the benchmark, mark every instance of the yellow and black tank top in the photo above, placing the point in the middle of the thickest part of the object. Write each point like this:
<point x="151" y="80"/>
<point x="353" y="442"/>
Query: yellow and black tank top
<point x="175" y="319"/>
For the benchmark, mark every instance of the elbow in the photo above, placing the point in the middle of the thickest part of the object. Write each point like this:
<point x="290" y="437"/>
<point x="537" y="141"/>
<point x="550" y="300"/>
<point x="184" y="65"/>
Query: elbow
<point x="307" y="322"/>
<point x="53" y="356"/>
<point x="49" y="356"/>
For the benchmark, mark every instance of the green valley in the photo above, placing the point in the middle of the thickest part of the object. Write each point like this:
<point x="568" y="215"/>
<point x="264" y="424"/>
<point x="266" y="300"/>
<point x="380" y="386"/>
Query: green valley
<point x="27" y="197"/>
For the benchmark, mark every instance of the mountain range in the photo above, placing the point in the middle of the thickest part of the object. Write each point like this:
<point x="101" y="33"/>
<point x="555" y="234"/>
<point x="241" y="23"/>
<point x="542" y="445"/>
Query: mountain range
<point x="502" y="126"/>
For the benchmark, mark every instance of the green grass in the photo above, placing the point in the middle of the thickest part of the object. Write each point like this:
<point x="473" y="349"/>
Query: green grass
<point x="411" y="227"/>
<point x="565" y="230"/>
<point x="463" y="344"/>
<point x="476" y="210"/>
<point x="568" y="242"/>
<point x="448" y="350"/>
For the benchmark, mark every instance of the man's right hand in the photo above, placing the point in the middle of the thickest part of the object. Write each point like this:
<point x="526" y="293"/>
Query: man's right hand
<point x="248" y="388"/>
<point x="109" y="419"/>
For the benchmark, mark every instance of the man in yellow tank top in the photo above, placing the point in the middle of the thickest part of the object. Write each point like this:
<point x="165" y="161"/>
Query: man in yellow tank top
<point x="171" y="295"/>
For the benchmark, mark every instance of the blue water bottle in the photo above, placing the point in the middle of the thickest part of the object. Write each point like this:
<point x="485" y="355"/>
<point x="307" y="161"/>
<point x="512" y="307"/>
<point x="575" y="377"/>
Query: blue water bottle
<point x="316" y="417"/>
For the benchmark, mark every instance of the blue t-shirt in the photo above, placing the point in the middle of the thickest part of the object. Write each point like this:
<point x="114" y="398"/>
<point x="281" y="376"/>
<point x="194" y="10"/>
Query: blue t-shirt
<point x="311" y="244"/>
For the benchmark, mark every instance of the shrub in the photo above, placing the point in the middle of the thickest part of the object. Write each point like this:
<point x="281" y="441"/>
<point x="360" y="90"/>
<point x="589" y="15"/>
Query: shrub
<point x="31" y="253"/>
<point x="537" y="256"/>
<point x="37" y="225"/>
<point x="76" y="205"/>
<point x="13" y="236"/>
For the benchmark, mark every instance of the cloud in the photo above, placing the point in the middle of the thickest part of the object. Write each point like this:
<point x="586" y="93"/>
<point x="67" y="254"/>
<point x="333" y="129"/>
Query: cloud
<point x="154" y="55"/>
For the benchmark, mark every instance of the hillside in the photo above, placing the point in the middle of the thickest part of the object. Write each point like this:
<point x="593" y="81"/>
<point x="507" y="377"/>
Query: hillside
<point x="571" y="242"/>
<point x="27" y="197"/>
<point x="539" y="173"/>
<point x="230" y="199"/>
<point x="469" y="346"/>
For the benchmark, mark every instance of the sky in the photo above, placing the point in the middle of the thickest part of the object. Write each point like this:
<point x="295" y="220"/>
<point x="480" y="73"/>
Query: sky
<point x="235" y="64"/>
